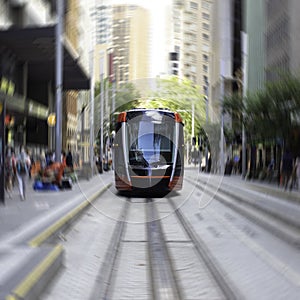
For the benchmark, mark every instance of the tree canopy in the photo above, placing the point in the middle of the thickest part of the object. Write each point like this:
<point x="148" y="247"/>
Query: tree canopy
<point x="173" y="93"/>
<point x="270" y="113"/>
<point x="180" y="95"/>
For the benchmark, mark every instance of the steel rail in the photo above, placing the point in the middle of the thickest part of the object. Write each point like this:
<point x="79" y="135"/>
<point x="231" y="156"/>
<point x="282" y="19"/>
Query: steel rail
<point x="103" y="284"/>
<point x="227" y="287"/>
<point x="164" y="283"/>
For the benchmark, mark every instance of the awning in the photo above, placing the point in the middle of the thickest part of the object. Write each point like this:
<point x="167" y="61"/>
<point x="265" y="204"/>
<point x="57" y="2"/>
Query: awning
<point x="37" y="47"/>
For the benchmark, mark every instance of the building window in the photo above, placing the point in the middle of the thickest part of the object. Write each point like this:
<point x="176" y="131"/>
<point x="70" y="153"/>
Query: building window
<point x="205" y="16"/>
<point x="193" y="5"/>
<point x="205" y="57"/>
<point x="205" y="68"/>
<point x="205" y="26"/>
<point x="205" y="5"/>
<point x="205" y="36"/>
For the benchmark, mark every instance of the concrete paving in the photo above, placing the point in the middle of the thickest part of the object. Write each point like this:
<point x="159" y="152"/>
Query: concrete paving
<point x="27" y="263"/>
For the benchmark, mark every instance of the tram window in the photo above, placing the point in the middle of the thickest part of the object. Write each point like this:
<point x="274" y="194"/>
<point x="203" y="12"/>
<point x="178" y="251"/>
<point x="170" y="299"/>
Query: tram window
<point x="149" y="138"/>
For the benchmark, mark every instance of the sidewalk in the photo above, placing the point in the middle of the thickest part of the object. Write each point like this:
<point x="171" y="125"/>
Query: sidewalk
<point x="27" y="264"/>
<point x="268" y="188"/>
<point x="265" y="187"/>
<point x="16" y="212"/>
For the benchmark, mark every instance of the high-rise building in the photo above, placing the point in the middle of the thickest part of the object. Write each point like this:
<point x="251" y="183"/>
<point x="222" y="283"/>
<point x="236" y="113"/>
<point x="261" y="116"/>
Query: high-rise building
<point x="225" y="52"/>
<point x="101" y="16"/>
<point x="192" y="41"/>
<point x="69" y="123"/>
<point x="102" y="29"/>
<point x="255" y="29"/>
<point x="130" y="43"/>
<point x="282" y="44"/>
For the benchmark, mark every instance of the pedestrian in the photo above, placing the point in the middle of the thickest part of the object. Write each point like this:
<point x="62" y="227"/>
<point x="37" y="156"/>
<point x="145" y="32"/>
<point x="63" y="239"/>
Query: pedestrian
<point x="286" y="168"/>
<point x="9" y="165"/>
<point x="297" y="172"/>
<point x="63" y="157"/>
<point x="22" y="171"/>
<point x="69" y="160"/>
<point x="270" y="170"/>
<point x="43" y="161"/>
<point x="228" y="166"/>
<point x="32" y="164"/>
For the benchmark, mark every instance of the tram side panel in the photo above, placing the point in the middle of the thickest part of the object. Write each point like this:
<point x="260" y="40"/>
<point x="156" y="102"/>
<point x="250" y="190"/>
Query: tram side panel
<point x="176" y="182"/>
<point x="122" y="182"/>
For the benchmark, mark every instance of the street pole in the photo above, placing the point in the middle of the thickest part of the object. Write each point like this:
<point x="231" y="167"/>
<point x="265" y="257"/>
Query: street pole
<point x="244" y="38"/>
<point x="193" y="119"/>
<point x="92" y="93"/>
<point x="82" y="134"/>
<point x="2" y="148"/>
<point x="113" y="103"/>
<point x="193" y="131"/>
<point x="114" y="97"/>
<point x="101" y="108"/>
<point x="206" y="123"/>
<point x="222" y="126"/>
<point x="59" y="79"/>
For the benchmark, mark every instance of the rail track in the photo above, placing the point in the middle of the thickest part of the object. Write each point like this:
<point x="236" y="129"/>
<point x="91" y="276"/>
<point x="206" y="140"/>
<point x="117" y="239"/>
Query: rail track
<point x="155" y="269"/>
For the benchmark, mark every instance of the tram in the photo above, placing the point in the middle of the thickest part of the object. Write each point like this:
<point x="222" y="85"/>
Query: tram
<point x="149" y="150"/>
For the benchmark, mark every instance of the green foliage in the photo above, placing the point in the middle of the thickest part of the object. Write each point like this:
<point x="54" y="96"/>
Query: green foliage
<point x="127" y="97"/>
<point x="179" y="95"/>
<point x="270" y="113"/>
<point x="173" y="93"/>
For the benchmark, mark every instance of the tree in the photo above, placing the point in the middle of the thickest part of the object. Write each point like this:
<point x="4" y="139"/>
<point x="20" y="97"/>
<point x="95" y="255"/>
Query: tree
<point x="127" y="97"/>
<point x="270" y="113"/>
<point x="179" y="95"/>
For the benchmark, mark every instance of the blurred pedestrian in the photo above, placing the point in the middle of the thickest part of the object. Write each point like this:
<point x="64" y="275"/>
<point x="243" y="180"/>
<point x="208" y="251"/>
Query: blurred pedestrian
<point x="63" y="157"/>
<point x="286" y="168"/>
<point x="43" y="161"/>
<point x="9" y="165"/>
<point x="228" y="166"/>
<point x="270" y="170"/>
<point x="297" y="172"/>
<point x="69" y="160"/>
<point x="22" y="171"/>
<point x="32" y="163"/>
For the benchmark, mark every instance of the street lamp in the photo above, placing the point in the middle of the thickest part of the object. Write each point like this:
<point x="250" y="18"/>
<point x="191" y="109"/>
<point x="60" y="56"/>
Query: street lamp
<point x="92" y="100"/>
<point x="243" y="86"/>
<point x="206" y="123"/>
<point x="59" y="78"/>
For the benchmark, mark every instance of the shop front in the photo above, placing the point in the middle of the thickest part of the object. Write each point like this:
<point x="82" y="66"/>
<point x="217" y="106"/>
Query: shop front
<point x="27" y="83"/>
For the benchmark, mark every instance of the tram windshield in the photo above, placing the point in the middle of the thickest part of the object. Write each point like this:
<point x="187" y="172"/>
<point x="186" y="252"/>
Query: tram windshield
<point x="150" y="137"/>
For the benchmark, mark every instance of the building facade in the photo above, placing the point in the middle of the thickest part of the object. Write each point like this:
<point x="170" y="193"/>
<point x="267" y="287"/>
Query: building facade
<point x="27" y="58"/>
<point x="69" y="124"/>
<point x="130" y="43"/>
<point x="192" y="41"/>
<point x="225" y="68"/>
<point x="281" y="42"/>
<point x="255" y="29"/>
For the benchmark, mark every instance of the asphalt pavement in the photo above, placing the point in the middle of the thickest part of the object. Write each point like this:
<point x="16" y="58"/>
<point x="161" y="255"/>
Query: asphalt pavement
<point x="28" y="261"/>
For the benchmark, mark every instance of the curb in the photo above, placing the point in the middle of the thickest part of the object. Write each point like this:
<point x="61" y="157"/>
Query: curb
<point x="33" y="284"/>
<point x="65" y="221"/>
